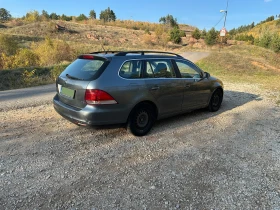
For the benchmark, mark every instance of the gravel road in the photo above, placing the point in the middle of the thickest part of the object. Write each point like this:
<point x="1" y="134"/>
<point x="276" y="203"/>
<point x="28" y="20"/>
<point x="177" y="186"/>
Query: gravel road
<point x="224" y="160"/>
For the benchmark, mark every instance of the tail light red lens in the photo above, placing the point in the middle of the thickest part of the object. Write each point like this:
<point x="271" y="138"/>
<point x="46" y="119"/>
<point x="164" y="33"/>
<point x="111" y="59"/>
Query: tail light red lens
<point x="89" y="57"/>
<point x="95" y="97"/>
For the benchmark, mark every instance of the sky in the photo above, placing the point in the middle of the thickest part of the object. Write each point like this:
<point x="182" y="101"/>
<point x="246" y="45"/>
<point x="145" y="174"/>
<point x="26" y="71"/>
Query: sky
<point x="200" y="13"/>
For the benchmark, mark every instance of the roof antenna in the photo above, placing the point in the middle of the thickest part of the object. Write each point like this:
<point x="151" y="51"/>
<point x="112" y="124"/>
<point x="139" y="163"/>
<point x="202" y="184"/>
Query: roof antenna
<point x="102" y="47"/>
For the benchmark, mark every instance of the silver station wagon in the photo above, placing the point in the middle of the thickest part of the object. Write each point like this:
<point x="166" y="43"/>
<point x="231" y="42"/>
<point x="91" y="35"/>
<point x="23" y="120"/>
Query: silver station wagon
<point x="134" y="88"/>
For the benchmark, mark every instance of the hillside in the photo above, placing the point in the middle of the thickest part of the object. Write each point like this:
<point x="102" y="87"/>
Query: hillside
<point x="272" y="26"/>
<point x="90" y="36"/>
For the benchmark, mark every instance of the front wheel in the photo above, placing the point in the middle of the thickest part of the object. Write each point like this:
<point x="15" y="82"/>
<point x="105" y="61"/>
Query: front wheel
<point x="141" y="120"/>
<point x="216" y="101"/>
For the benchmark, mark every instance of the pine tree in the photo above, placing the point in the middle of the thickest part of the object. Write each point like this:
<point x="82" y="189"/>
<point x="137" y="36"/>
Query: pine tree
<point x="211" y="37"/>
<point x="196" y="34"/>
<point x="92" y="14"/>
<point x="107" y="15"/>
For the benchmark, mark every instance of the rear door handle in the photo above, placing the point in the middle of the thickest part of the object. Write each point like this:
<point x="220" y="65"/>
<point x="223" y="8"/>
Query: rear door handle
<point x="155" y="88"/>
<point x="188" y="86"/>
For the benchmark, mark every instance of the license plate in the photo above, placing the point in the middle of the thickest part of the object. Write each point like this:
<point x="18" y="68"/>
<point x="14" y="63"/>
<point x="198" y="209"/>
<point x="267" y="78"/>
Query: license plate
<point x="67" y="92"/>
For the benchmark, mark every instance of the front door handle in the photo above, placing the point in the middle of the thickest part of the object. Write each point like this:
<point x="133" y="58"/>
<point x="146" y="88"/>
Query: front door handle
<point x="188" y="86"/>
<point x="155" y="88"/>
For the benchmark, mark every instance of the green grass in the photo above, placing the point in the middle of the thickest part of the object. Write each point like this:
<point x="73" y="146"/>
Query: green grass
<point x="29" y="77"/>
<point x="245" y="64"/>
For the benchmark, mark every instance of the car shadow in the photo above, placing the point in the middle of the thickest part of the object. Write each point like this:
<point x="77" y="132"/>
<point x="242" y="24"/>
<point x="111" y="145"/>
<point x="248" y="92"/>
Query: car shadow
<point x="231" y="100"/>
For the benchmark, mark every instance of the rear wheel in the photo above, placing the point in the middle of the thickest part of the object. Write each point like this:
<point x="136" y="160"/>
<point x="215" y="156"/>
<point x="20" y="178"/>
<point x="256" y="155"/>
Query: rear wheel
<point x="216" y="101"/>
<point x="141" y="120"/>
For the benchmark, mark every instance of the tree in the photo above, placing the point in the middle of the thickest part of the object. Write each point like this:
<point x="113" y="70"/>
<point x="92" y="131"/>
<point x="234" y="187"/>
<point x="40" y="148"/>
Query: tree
<point x="169" y="20"/>
<point x="65" y="17"/>
<point x="203" y="34"/>
<point x="92" y="14"/>
<point x="211" y="37"/>
<point x="54" y="16"/>
<point x="45" y="15"/>
<point x="196" y="34"/>
<point x="175" y="35"/>
<point x="32" y="16"/>
<point x="107" y="15"/>
<point x="81" y="17"/>
<point x="253" y="25"/>
<point x="4" y="15"/>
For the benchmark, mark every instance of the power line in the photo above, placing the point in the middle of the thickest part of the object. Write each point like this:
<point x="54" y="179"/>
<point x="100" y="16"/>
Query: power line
<point x="220" y="20"/>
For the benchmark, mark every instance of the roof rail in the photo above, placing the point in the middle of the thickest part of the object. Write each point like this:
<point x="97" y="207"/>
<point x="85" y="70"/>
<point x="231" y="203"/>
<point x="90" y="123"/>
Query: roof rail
<point x="123" y="53"/>
<point x="105" y="52"/>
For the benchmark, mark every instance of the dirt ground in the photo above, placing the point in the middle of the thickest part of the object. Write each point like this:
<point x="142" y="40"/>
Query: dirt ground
<point x="224" y="160"/>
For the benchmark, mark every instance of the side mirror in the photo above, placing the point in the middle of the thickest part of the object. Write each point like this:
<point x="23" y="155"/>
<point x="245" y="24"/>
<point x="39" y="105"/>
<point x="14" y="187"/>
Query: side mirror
<point x="206" y="75"/>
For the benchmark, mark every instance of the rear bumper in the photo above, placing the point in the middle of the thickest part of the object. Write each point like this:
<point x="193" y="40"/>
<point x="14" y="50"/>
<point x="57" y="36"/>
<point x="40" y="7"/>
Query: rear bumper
<point x="91" y="115"/>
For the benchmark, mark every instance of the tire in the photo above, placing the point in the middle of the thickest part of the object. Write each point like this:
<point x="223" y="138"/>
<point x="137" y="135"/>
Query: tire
<point x="216" y="101"/>
<point x="141" y="120"/>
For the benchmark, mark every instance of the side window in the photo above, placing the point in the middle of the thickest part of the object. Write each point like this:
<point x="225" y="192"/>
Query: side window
<point x="131" y="69"/>
<point x="159" y="69"/>
<point x="187" y="70"/>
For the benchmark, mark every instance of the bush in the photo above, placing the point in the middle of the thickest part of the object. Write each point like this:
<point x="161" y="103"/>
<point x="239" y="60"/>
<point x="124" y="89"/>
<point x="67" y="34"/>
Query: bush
<point x="265" y="39"/>
<point x="56" y="71"/>
<point x="246" y="38"/>
<point x="275" y="43"/>
<point x="268" y="40"/>
<point x="52" y="52"/>
<point x="182" y="33"/>
<point x="147" y="31"/>
<point x="26" y="77"/>
<point x="175" y="35"/>
<point x="196" y="34"/>
<point x="8" y="45"/>
<point x="32" y="16"/>
<point x="23" y="58"/>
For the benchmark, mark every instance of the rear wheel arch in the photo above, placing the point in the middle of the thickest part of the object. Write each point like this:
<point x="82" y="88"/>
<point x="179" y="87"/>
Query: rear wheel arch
<point x="145" y="103"/>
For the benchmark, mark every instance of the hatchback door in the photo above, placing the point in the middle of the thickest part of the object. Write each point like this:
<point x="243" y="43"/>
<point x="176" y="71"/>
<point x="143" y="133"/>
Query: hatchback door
<point x="73" y="81"/>
<point x="197" y="89"/>
<point x="162" y="83"/>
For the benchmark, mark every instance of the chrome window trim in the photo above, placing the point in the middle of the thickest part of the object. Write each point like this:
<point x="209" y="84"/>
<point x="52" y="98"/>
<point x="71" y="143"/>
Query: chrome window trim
<point x="188" y="61"/>
<point x="144" y="59"/>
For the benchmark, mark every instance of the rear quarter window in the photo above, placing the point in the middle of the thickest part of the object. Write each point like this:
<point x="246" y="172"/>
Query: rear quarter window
<point x="131" y="69"/>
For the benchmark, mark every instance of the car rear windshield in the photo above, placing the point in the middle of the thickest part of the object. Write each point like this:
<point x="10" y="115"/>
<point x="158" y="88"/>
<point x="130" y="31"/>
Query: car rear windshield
<point x="85" y="69"/>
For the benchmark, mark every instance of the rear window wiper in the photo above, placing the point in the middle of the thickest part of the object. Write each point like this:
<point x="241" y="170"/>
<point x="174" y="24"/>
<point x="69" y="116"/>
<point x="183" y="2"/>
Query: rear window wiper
<point x="72" y="77"/>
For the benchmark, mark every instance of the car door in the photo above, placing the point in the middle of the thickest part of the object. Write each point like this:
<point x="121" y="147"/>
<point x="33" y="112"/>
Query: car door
<point x="164" y="86"/>
<point x="197" y="89"/>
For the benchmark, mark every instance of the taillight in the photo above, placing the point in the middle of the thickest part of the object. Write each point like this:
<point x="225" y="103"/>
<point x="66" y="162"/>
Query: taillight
<point x="95" y="97"/>
<point x="90" y="57"/>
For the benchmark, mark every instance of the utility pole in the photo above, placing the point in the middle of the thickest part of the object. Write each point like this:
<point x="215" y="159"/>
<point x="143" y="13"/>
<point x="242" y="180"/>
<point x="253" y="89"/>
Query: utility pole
<point x="225" y="11"/>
